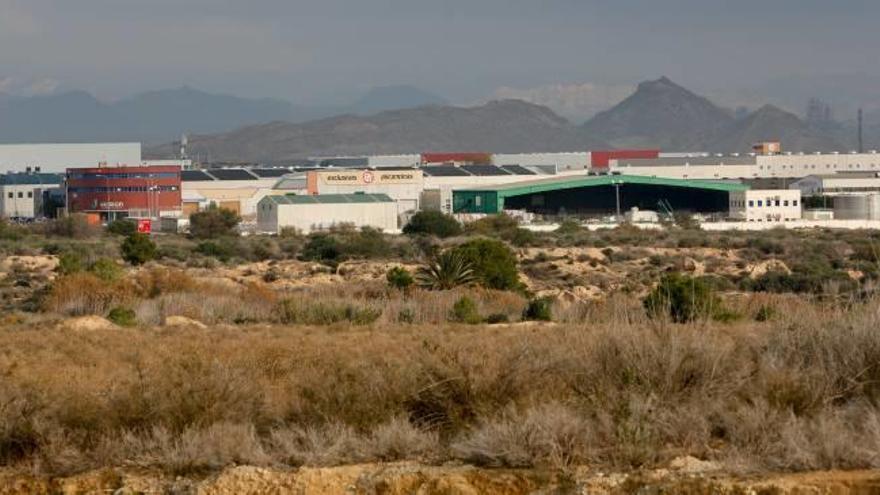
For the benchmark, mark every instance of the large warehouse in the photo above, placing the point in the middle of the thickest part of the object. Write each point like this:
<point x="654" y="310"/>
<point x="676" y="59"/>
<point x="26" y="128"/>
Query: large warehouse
<point x="308" y="213"/>
<point x="22" y="194"/>
<point x="597" y="194"/>
<point x="57" y="158"/>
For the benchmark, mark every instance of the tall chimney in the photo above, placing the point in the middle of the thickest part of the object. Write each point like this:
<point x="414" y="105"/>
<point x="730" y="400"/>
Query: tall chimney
<point x="861" y="143"/>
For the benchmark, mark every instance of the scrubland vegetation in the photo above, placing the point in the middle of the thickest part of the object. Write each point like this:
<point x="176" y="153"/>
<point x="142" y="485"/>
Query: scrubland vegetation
<point x="448" y="353"/>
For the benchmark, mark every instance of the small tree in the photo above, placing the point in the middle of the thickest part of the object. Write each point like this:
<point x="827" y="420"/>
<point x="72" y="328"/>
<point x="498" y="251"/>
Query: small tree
<point x="138" y="248"/>
<point x="682" y="298"/>
<point x="323" y="248"/>
<point x="447" y="271"/>
<point x="432" y="222"/>
<point x="399" y="278"/>
<point x="493" y="263"/>
<point x="465" y="311"/>
<point x="538" y="310"/>
<point x="213" y="222"/>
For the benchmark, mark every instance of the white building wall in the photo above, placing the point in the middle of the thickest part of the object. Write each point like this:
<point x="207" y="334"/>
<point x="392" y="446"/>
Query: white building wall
<point x="58" y="157"/>
<point x="247" y="192"/>
<point x="777" y="205"/>
<point x="564" y="161"/>
<point x="319" y="216"/>
<point x="24" y="206"/>
<point x="763" y="166"/>
<point x="380" y="161"/>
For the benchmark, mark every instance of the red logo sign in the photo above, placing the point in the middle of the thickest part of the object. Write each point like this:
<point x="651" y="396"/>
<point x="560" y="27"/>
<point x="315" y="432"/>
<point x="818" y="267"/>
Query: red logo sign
<point x="145" y="225"/>
<point x="368" y="177"/>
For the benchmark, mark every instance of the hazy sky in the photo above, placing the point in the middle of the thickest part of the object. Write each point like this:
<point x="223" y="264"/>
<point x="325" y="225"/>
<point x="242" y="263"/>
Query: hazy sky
<point x="323" y="50"/>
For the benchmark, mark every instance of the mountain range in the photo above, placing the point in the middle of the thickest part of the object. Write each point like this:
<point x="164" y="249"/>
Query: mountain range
<point x="659" y="114"/>
<point x="159" y="116"/>
<point x="403" y="119"/>
<point x="507" y="125"/>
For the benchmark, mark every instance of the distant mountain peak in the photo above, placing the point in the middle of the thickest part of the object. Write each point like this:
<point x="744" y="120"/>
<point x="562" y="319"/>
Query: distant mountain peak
<point x="395" y="97"/>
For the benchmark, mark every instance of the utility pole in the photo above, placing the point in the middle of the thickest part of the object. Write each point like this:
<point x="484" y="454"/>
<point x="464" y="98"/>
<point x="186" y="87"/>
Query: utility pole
<point x="617" y="198"/>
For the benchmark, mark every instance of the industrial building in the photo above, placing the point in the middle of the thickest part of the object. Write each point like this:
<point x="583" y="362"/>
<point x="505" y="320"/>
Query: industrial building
<point x="404" y="186"/>
<point x="56" y="158"/>
<point x="781" y="205"/>
<point x="751" y="166"/>
<point x="838" y="184"/>
<point x="25" y="194"/>
<point x="109" y="193"/>
<point x="236" y="189"/>
<point x="597" y="194"/>
<point x="308" y="213"/>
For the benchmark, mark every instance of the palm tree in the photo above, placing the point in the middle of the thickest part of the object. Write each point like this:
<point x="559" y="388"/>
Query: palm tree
<point x="447" y="271"/>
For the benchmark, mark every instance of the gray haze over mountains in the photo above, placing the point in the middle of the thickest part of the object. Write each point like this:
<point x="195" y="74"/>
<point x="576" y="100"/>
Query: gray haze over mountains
<point x="659" y="114"/>
<point x="159" y="116"/>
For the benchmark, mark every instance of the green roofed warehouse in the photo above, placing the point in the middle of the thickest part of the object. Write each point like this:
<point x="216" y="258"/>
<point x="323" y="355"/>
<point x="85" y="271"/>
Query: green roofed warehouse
<point x="598" y="194"/>
<point x="308" y="213"/>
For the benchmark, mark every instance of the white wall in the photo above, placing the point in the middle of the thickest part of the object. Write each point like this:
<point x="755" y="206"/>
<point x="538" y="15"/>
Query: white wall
<point x="58" y="157"/>
<point x="318" y="216"/>
<point x="777" y="205"/>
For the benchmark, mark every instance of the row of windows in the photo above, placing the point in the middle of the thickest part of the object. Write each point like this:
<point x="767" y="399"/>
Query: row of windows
<point x="813" y="166"/>
<point x="30" y="194"/>
<point x="761" y="203"/>
<point x="128" y="175"/>
<point x="123" y="189"/>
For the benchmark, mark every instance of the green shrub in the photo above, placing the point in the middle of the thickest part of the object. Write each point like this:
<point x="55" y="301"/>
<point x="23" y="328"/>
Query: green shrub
<point x="399" y="278"/>
<point x="213" y="222"/>
<point x="323" y="248"/>
<point x="106" y="269"/>
<point x="69" y="262"/>
<point x="682" y="298"/>
<point x="502" y="227"/>
<point x="539" y="309"/>
<point x="493" y="263"/>
<point x="432" y="222"/>
<point x="406" y="315"/>
<point x="765" y="313"/>
<point x="137" y="249"/>
<point x="124" y="317"/>
<point x="222" y="249"/>
<point x="123" y="226"/>
<point x="465" y="311"/>
<point x="449" y="270"/>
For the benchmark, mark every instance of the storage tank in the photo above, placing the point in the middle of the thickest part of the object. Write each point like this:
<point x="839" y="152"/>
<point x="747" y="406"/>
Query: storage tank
<point x="857" y="207"/>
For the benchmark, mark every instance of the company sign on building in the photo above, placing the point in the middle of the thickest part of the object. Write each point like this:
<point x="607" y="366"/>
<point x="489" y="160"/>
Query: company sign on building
<point x="319" y="182"/>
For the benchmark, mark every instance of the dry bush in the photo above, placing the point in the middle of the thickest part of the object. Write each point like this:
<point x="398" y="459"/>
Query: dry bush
<point x="790" y="393"/>
<point x="86" y="294"/>
<point x="155" y="281"/>
<point x="550" y="435"/>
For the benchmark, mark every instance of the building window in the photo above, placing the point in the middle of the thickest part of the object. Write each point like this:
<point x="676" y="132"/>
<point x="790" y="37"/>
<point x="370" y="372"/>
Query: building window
<point x="785" y="203"/>
<point x="11" y="195"/>
<point x="20" y="194"/>
<point x="777" y="202"/>
<point x="751" y="203"/>
<point x="794" y="203"/>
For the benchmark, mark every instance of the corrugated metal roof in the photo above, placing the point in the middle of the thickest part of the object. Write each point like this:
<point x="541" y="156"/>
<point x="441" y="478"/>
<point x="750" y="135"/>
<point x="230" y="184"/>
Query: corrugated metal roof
<point x="35" y="178"/>
<point x="571" y="182"/>
<point x="306" y="199"/>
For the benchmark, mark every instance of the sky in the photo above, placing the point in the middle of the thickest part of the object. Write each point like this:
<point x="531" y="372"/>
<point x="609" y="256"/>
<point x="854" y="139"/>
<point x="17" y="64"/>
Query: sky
<point x="327" y="51"/>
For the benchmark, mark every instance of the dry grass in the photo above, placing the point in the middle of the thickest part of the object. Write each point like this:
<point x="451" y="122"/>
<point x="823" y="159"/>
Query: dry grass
<point x="797" y="392"/>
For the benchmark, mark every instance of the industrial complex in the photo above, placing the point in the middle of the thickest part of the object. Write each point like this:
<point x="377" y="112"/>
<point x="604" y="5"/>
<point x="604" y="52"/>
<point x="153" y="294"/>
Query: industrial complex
<point x="108" y="181"/>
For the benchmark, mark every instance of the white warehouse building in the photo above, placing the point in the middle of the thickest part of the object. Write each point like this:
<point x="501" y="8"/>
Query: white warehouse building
<point x="57" y="158"/>
<point x="21" y="194"/>
<point x="751" y="166"/>
<point x="320" y="212"/>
